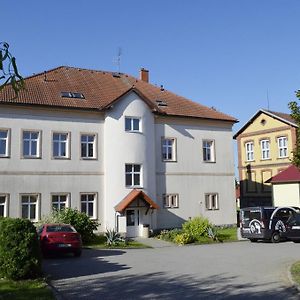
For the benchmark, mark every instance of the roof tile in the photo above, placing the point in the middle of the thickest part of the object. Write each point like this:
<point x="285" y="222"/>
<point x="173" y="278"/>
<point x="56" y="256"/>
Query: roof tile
<point x="100" y="89"/>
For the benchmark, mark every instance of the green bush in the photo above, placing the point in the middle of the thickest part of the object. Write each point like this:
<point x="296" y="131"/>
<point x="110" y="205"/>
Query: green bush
<point x="183" y="238"/>
<point x="196" y="227"/>
<point x="79" y="220"/>
<point x="169" y="235"/>
<point x="113" y="238"/>
<point x="20" y="256"/>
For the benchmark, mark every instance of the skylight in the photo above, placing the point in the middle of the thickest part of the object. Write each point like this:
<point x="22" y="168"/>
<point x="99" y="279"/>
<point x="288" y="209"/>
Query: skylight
<point x="72" y="95"/>
<point x="161" y="103"/>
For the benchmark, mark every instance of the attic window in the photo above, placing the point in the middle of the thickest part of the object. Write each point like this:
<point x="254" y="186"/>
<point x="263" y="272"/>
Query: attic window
<point x="161" y="103"/>
<point x="72" y="95"/>
<point x="263" y="122"/>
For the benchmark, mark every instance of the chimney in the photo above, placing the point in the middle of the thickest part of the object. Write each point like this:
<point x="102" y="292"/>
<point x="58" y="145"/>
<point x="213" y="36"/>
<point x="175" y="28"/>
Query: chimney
<point x="144" y="75"/>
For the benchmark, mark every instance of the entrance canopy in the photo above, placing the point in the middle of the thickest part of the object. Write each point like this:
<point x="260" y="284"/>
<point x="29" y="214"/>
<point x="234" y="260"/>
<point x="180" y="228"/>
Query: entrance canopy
<point x="132" y="196"/>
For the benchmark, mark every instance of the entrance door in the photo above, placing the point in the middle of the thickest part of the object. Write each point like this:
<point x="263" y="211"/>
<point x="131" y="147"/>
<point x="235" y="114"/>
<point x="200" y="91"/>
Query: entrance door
<point x="132" y="222"/>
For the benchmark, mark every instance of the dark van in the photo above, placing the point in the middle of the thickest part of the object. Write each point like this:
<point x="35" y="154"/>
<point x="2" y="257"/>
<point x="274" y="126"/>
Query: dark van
<point x="265" y="223"/>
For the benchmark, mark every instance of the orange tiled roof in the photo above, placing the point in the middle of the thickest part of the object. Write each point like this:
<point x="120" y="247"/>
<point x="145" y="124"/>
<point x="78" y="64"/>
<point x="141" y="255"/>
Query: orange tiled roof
<point x="134" y="194"/>
<point x="100" y="89"/>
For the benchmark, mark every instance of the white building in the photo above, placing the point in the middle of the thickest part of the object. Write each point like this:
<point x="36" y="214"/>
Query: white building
<point x="120" y="149"/>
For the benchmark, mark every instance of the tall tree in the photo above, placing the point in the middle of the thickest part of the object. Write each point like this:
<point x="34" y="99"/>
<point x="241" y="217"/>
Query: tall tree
<point x="9" y="73"/>
<point x="295" y="113"/>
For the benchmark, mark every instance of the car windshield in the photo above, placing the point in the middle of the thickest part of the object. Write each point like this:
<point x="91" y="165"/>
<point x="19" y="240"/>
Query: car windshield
<point x="60" y="228"/>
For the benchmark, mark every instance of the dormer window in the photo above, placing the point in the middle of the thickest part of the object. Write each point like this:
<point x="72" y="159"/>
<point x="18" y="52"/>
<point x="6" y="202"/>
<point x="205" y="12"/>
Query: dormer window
<point x="72" y="95"/>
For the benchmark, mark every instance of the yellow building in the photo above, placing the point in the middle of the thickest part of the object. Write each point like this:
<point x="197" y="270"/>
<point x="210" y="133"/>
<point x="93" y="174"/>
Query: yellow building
<point x="265" y="145"/>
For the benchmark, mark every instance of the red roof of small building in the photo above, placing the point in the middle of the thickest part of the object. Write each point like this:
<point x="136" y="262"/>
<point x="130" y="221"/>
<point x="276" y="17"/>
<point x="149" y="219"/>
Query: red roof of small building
<point x="102" y="89"/>
<point x="134" y="194"/>
<point x="291" y="174"/>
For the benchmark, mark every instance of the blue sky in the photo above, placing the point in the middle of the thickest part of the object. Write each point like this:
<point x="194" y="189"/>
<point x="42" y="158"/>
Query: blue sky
<point x="224" y="53"/>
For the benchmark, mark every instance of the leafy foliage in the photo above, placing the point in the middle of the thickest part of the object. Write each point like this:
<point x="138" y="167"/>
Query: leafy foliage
<point x="196" y="227"/>
<point x="9" y="73"/>
<point x="20" y="256"/>
<point x="295" y="113"/>
<point x="212" y="232"/>
<point x="79" y="220"/>
<point x="113" y="238"/>
<point x="183" y="238"/>
<point x="169" y="235"/>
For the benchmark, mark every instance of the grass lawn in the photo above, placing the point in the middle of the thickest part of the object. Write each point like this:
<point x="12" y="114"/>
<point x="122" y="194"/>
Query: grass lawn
<point x="25" y="290"/>
<point x="295" y="270"/>
<point x="100" y="243"/>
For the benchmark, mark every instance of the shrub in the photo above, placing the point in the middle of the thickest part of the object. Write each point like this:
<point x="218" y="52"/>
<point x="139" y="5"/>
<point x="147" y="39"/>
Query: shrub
<point x="79" y="220"/>
<point x="113" y="238"/>
<point x="169" y="235"/>
<point x="196" y="227"/>
<point x="20" y="256"/>
<point x="212" y="233"/>
<point x="183" y="238"/>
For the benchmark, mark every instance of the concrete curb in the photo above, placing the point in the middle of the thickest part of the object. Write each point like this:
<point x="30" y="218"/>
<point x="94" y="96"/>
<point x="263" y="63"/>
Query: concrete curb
<point x="55" y="292"/>
<point x="292" y="281"/>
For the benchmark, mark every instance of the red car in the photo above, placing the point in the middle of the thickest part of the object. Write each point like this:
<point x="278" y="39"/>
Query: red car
<point x="59" y="238"/>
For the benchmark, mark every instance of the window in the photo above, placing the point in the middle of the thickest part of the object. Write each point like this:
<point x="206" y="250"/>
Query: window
<point x="4" y="136"/>
<point x="88" y="146"/>
<point x="3" y="205"/>
<point x="132" y="175"/>
<point x="170" y="201"/>
<point x="168" y="149"/>
<point x="265" y="149"/>
<point x="132" y="124"/>
<point x="282" y="147"/>
<point x="60" y="201"/>
<point x="88" y="204"/>
<point x="211" y="201"/>
<point x="60" y="145"/>
<point x="208" y="151"/>
<point x="29" y="207"/>
<point x="31" y="144"/>
<point x="249" y="151"/>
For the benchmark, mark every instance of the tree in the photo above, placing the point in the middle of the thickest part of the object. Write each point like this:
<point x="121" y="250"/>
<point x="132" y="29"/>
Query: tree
<point x="9" y="73"/>
<point x="295" y="113"/>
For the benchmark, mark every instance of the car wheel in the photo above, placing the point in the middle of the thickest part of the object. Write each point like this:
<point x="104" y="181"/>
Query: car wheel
<point x="77" y="253"/>
<point x="253" y="240"/>
<point x="275" y="238"/>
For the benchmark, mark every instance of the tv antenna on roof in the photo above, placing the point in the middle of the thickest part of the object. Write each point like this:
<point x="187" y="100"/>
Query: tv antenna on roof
<point x="117" y="60"/>
<point x="268" y="102"/>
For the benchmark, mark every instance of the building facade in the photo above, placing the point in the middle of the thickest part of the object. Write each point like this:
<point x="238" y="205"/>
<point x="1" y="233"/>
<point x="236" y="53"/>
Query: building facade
<point x="265" y="145"/>
<point x="125" y="152"/>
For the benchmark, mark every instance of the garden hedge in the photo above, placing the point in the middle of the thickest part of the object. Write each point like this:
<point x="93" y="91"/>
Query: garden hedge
<point x="20" y="256"/>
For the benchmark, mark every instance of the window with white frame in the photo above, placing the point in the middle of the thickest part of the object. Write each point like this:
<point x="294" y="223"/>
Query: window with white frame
<point x="31" y="144"/>
<point x="29" y="205"/>
<point x="211" y="201"/>
<point x="282" y="146"/>
<point x="249" y="151"/>
<point x="60" y="201"/>
<point x="133" y="175"/>
<point x="3" y="205"/>
<point x="208" y="150"/>
<point x="88" y="146"/>
<point x="170" y="201"/>
<point x="132" y="124"/>
<point x="60" y="143"/>
<point x="168" y="149"/>
<point x="4" y="143"/>
<point x="265" y="149"/>
<point x="88" y="204"/>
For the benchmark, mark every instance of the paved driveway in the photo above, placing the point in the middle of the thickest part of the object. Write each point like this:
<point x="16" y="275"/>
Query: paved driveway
<point x="241" y="270"/>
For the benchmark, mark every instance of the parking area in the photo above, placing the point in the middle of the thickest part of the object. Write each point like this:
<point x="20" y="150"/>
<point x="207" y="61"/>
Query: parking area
<point x="240" y="270"/>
